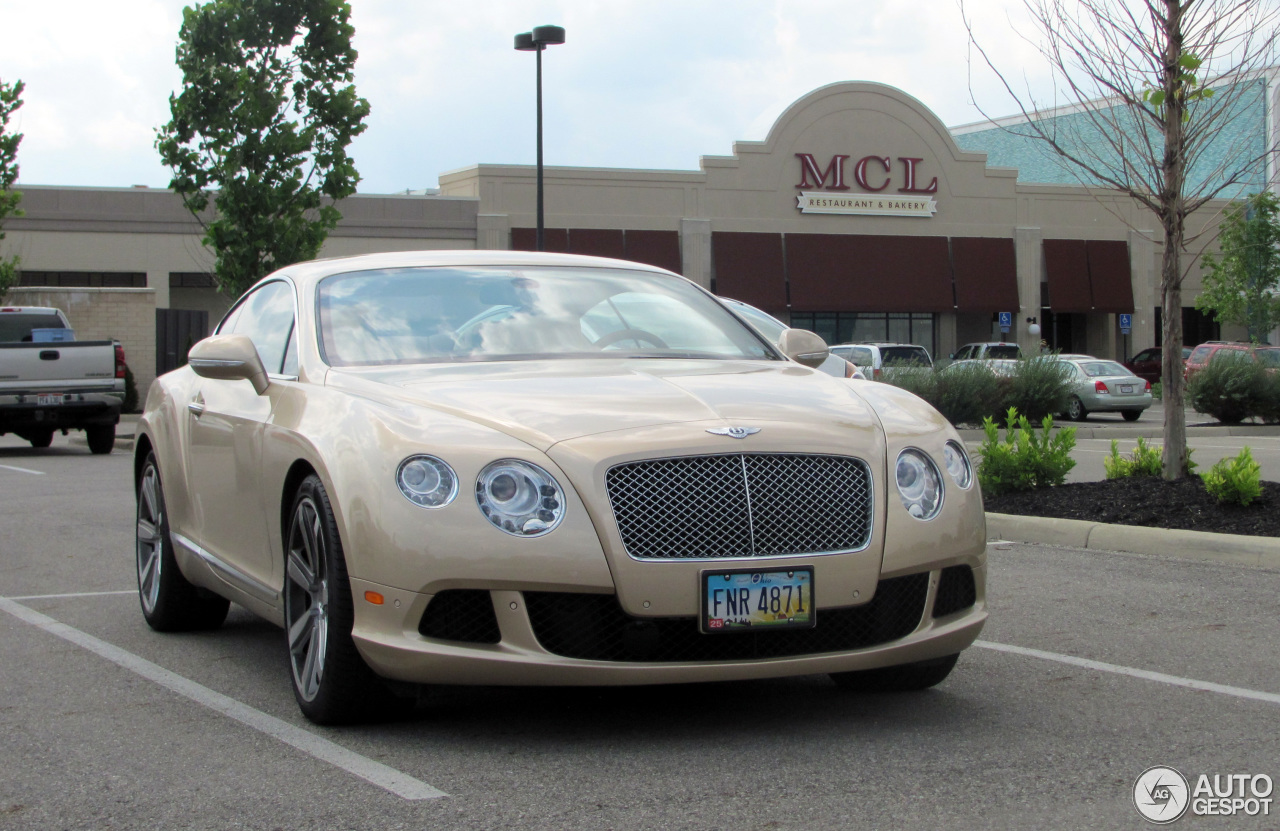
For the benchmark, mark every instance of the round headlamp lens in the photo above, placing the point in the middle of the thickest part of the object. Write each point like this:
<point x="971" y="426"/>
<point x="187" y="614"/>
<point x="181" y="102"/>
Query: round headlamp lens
<point x="427" y="481"/>
<point x="520" y="498"/>
<point x="919" y="484"/>
<point x="958" y="467"/>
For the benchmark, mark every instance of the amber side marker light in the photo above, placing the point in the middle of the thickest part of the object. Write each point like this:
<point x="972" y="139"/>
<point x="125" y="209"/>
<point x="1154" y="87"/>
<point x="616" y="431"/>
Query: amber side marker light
<point x="374" y="598"/>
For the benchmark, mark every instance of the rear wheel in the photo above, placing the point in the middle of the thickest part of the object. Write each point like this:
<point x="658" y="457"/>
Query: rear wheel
<point x="1132" y="415"/>
<point x="170" y="603"/>
<point x="101" y="438"/>
<point x="903" y="678"/>
<point x="331" y="682"/>
<point x="1076" y="410"/>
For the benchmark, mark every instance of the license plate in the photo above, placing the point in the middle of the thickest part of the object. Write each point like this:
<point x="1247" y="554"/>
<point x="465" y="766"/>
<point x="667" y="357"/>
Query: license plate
<point x="1126" y="388"/>
<point x="756" y="600"/>
<point x="48" y="400"/>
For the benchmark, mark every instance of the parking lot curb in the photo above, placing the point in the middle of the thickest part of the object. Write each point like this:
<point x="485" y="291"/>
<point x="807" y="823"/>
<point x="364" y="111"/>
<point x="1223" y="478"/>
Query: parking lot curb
<point x="1231" y="549"/>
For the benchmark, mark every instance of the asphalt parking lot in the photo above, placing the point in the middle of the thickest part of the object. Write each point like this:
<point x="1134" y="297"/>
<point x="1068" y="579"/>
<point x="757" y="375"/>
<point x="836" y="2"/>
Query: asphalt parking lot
<point x="1094" y="667"/>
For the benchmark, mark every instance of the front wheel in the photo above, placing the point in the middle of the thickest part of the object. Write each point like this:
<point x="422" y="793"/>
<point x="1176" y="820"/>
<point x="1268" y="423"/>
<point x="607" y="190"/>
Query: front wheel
<point x="1076" y="410"/>
<point x="170" y="603"/>
<point x="903" y="678"/>
<point x="331" y="682"/>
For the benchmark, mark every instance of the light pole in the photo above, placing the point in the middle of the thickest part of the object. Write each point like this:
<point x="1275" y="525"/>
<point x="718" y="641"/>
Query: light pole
<point x="537" y="40"/>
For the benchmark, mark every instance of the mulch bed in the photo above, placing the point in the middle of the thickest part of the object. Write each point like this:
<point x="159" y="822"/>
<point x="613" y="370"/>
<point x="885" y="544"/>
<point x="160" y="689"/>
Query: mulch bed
<point x="1149" y="501"/>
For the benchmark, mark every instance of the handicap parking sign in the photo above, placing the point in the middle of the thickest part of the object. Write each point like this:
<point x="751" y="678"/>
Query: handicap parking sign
<point x="1126" y="324"/>
<point x="1006" y="321"/>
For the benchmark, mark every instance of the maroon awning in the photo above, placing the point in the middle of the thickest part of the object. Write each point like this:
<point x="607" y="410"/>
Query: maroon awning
<point x="526" y="239"/>
<point x="660" y="248"/>
<point x="597" y="242"/>
<point x="986" y="274"/>
<point x="848" y="273"/>
<point x="749" y="267"/>
<point x="1109" y="275"/>
<point x="1066" y="264"/>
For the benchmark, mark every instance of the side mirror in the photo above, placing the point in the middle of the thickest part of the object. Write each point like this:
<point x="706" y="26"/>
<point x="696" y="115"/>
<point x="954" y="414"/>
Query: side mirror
<point x="229" y="358"/>
<point x="804" y="347"/>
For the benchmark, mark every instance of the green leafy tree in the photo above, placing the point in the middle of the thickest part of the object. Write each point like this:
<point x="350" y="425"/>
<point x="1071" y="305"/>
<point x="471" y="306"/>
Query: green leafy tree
<point x="10" y="101"/>
<point x="1242" y="281"/>
<point x="261" y="128"/>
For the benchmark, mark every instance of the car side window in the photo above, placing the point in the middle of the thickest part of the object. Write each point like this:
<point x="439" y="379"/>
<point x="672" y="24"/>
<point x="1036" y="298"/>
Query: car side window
<point x="266" y="318"/>
<point x="963" y="354"/>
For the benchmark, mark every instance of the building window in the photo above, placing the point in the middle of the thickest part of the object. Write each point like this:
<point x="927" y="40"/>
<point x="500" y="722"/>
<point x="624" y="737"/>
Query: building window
<point x="855" y="327"/>
<point x="190" y="280"/>
<point x="84" y="279"/>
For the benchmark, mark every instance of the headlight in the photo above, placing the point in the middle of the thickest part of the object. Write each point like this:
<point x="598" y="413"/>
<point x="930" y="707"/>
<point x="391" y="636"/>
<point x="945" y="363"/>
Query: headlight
<point x="919" y="484"/>
<point x="427" y="481"/>
<point x="519" y="498"/>
<point x="958" y="467"/>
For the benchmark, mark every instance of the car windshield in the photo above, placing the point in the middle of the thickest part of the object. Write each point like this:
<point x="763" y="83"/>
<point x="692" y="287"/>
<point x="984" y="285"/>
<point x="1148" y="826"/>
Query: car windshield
<point x="1103" y="369"/>
<point x="764" y="323"/>
<point x="431" y="315"/>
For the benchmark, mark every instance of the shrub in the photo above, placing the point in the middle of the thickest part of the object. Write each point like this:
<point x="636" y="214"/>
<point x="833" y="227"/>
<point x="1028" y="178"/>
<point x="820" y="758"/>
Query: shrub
<point x="1268" y="403"/>
<point x="1039" y="387"/>
<point x="130" y="392"/>
<point x="1143" y="461"/>
<point x="1025" y="459"/>
<point x="964" y="395"/>
<point x="1230" y="388"/>
<point x="1237" y="480"/>
<point x="1157" y="391"/>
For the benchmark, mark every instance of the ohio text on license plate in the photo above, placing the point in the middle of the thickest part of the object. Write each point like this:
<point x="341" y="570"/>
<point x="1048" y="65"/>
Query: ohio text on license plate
<point x="50" y="400"/>
<point x="756" y="600"/>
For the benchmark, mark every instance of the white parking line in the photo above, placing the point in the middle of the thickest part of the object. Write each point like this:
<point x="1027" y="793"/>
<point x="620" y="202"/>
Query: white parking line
<point x="1146" y="675"/>
<point x="376" y="773"/>
<point x="23" y="470"/>
<point x="65" y="596"/>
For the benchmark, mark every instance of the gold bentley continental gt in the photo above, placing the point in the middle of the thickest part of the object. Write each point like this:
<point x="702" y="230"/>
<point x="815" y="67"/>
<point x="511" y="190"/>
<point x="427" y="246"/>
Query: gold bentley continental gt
<point x="490" y="467"/>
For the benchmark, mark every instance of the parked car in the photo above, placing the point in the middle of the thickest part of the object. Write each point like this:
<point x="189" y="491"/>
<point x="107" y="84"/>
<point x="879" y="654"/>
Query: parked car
<point x="999" y="366"/>
<point x="1268" y="356"/>
<point x="1147" y="363"/>
<point x="1101" y="386"/>
<point x="621" y="483"/>
<point x="772" y="328"/>
<point x="51" y="382"/>
<point x="873" y="357"/>
<point x="987" y="351"/>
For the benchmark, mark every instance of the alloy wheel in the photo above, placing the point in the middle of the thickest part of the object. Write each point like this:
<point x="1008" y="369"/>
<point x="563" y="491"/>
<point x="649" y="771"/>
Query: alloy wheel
<point x="307" y="599"/>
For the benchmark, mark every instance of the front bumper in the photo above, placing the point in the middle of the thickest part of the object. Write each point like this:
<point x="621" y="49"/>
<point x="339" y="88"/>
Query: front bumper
<point x="910" y="624"/>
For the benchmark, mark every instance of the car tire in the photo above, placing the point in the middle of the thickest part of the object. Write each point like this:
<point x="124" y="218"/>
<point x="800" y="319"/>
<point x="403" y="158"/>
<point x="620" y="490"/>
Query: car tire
<point x="101" y="438"/>
<point x="1076" y="410"/>
<point x="170" y="603"/>
<point x="1131" y="415"/>
<point x="903" y="678"/>
<point x="40" y="438"/>
<point x="331" y="682"/>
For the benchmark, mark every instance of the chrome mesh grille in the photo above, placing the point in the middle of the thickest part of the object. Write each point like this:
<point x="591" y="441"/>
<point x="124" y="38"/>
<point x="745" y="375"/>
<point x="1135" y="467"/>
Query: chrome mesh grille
<point x="741" y="505"/>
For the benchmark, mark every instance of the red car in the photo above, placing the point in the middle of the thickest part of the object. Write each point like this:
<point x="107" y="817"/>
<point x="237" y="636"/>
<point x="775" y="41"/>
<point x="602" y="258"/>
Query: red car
<point x="1268" y="356"/>
<point x="1146" y="364"/>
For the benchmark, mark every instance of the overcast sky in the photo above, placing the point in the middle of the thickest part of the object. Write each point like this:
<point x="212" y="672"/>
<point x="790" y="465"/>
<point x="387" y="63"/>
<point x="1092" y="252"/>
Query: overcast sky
<point x="652" y="84"/>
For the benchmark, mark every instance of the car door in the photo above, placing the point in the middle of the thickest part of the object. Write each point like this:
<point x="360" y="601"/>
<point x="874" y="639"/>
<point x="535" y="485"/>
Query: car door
<point x="227" y="422"/>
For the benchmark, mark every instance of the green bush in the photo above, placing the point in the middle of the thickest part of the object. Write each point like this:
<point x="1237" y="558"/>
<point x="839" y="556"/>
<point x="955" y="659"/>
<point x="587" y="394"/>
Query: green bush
<point x="964" y="395"/>
<point x="1231" y="388"/>
<point x="1039" y="387"/>
<point x="130" y="392"/>
<point x="1143" y="461"/>
<point x="1237" y="480"/>
<point x="1025" y="459"/>
<point x="1157" y="391"/>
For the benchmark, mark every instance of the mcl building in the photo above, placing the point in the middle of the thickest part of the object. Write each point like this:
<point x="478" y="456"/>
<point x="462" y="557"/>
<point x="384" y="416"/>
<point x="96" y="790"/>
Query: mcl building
<point x="859" y="217"/>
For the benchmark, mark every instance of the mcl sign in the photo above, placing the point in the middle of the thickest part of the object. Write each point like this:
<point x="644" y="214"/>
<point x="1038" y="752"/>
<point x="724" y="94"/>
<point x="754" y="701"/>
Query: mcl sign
<point x="823" y="191"/>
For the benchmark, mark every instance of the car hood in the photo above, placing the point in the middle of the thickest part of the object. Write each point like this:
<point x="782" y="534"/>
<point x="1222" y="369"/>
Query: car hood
<point x="546" y="402"/>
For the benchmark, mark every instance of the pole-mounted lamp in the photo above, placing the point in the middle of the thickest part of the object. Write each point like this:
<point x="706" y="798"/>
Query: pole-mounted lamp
<point x="537" y="40"/>
<point x="1034" y="328"/>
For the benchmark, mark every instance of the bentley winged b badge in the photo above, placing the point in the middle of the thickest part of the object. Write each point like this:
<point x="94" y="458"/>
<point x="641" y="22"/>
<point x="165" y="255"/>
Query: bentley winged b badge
<point x="734" y="432"/>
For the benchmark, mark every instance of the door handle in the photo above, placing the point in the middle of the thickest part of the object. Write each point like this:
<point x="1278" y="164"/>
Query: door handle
<point x="197" y="406"/>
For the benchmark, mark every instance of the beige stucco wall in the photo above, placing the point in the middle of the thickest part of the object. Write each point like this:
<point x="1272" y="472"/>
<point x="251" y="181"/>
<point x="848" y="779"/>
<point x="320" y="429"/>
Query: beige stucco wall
<point x="755" y="189"/>
<point x="126" y="315"/>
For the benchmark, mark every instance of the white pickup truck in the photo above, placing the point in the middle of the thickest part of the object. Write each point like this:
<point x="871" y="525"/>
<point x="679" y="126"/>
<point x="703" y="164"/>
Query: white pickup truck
<point x="49" y="381"/>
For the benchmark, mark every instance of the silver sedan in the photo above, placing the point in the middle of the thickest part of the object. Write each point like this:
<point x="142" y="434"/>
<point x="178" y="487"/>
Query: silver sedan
<point x="1101" y="386"/>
